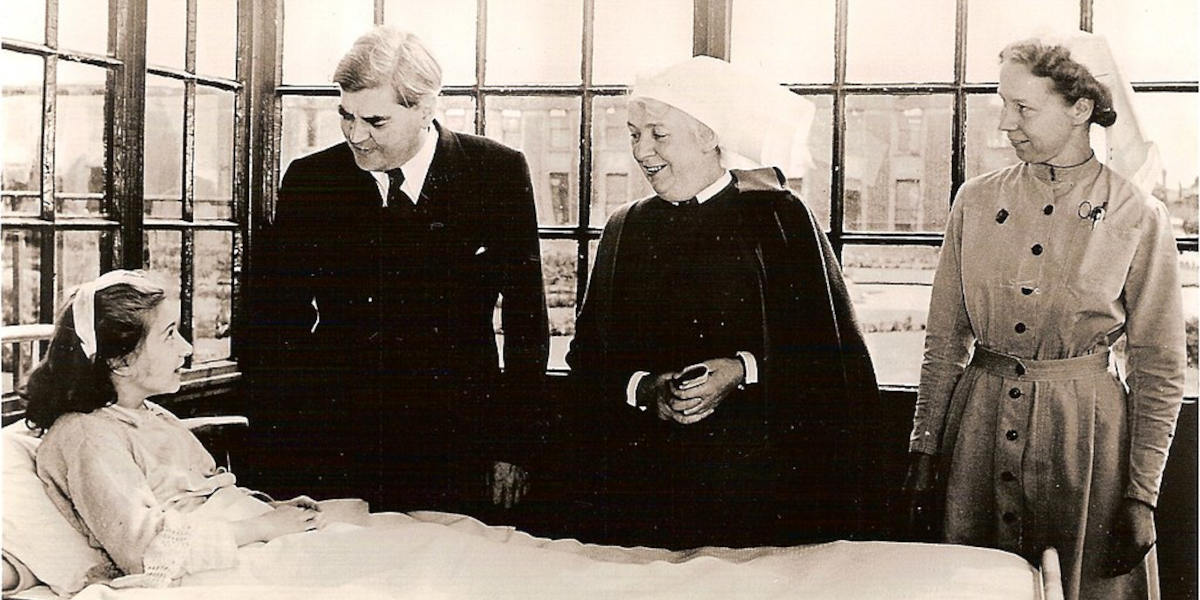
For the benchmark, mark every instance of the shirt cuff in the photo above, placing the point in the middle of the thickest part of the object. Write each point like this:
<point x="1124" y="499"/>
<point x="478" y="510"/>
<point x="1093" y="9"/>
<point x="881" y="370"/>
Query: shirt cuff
<point x="631" y="389"/>
<point x="751" y="366"/>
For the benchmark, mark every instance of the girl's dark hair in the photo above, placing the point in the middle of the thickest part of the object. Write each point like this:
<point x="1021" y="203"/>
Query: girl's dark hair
<point x="66" y="380"/>
<point x="1071" y="79"/>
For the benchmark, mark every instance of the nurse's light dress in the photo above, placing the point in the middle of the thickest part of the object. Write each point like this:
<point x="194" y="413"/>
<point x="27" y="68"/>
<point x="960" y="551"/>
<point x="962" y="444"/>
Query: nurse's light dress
<point x="1042" y="270"/>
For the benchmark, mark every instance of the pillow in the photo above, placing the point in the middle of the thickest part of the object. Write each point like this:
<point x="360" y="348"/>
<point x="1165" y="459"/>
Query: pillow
<point x="34" y="531"/>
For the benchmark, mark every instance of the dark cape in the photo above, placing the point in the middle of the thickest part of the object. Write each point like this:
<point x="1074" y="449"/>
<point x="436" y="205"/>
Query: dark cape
<point x="781" y="462"/>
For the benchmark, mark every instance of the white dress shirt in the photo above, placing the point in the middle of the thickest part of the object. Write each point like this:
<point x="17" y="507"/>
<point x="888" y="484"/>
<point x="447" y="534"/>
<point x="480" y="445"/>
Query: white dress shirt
<point x="414" y="170"/>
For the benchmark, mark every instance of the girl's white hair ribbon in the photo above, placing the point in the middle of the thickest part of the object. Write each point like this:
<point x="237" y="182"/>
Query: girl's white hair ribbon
<point x="83" y="307"/>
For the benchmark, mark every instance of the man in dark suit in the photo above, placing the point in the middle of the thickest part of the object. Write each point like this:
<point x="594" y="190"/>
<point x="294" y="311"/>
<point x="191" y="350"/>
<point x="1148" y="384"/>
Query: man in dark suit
<point x="372" y="348"/>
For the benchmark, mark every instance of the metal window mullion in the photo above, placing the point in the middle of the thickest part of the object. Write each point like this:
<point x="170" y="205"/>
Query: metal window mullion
<point x="207" y="80"/>
<point x="958" y="128"/>
<point x="271" y="76"/>
<point x="837" y="180"/>
<point x="47" y="261"/>
<point x="711" y="28"/>
<point x="187" y="257"/>
<point x="378" y="16"/>
<point x="1086" y="15"/>
<point x="241" y="155"/>
<point x="127" y="22"/>
<point x="480" y="64"/>
<point x="585" y="151"/>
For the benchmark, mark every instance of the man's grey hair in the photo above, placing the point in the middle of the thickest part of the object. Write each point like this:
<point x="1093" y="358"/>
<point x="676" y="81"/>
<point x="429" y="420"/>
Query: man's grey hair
<point x="391" y="57"/>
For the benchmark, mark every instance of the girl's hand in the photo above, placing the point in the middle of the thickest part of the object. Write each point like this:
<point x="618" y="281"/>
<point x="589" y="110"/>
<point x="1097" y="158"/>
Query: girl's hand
<point x="280" y="521"/>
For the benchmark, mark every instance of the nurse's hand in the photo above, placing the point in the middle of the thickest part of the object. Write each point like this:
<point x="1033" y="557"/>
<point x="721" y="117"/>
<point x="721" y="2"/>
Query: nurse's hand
<point x="698" y="403"/>
<point x="655" y="390"/>
<point x="1132" y="537"/>
<point x="919" y="492"/>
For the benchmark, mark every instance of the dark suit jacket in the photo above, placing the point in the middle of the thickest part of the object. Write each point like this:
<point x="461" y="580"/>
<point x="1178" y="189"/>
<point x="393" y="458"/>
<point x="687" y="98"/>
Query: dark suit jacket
<point x="330" y="342"/>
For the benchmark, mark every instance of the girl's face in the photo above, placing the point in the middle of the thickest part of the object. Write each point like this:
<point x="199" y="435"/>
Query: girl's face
<point x="154" y="367"/>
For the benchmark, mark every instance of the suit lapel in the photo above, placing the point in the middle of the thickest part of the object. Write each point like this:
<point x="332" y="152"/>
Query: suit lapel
<point x="446" y="170"/>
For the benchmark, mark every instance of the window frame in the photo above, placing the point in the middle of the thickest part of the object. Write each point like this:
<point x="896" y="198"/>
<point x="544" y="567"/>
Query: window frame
<point x="123" y="199"/>
<point x="712" y="29"/>
<point x="259" y="93"/>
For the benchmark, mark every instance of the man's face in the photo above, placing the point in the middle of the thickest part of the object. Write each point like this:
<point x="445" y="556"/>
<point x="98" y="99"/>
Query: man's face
<point x="1038" y="121"/>
<point x="668" y="145"/>
<point x="383" y="133"/>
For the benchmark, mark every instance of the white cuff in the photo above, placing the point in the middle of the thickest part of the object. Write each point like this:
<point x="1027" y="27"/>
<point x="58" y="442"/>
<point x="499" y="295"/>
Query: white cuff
<point x="751" y="366"/>
<point x="631" y="389"/>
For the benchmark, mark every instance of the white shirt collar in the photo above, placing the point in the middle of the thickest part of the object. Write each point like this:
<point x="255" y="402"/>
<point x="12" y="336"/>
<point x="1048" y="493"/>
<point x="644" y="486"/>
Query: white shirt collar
<point x="714" y="188"/>
<point x="414" y="170"/>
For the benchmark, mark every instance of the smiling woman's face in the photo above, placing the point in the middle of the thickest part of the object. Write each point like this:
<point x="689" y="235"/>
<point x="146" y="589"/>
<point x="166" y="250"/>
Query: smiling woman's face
<point x="153" y="368"/>
<point x="1039" y="122"/>
<point x="668" y="145"/>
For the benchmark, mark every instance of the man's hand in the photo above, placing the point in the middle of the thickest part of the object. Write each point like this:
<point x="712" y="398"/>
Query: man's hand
<point x="1131" y="538"/>
<point x="696" y="404"/>
<point x="921" y="522"/>
<point x="299" y="502"/>
<point x="508" y="482"/>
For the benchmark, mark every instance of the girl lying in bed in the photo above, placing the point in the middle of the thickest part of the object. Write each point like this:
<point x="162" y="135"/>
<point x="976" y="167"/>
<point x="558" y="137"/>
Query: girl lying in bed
<point x="141" y="488"/>
<point x="125" y="471"/>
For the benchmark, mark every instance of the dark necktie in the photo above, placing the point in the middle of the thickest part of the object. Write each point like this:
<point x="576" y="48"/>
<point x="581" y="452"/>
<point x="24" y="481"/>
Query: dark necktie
<point x="396" y="198"/>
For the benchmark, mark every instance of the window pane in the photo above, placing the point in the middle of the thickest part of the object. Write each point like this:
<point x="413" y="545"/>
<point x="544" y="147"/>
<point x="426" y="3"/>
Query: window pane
<point x="83" y="25"/>
<point x="880" y="49"/>
<point x="987" y="147"/>
<point x="216" y="37"/>
<point x="1170" y="120"/>
<point x="21" y="109"/>
<point x="616" y="178"/>
<point x="547" y="131"/>
<point x="335" y="24"/>
<point x="810" y="179"/>
<point x="897" y="162"/>
<point x="1188" y="271"/>
<point x="22" y="276"/>
<point x="457" y="113"/>
<point x="163" y="249"/>
<point x="447" y="28"/>
<point x="77" y="259"/>
<point x="1151" y="41"/>
<point x="890" y="286"/>
<point x="24" y="21"/>
<point x="523" y="47"/>
<point x="79" y="133"/>
<point x="166" y="33"/>
<point x="790" y="40"/>
<point x="163" y="150"/>
<point x="214" y="154"/>
<point x="213" y="290"/>
<point x="560" y="261"/>
<point x="310" y="123"/>
<point x="993" y="25"/>
<point x="623" y="46"/>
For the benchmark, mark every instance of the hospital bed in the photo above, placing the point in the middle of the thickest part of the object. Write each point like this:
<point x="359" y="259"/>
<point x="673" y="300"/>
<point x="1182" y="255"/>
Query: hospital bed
<point x="446" y="556"/>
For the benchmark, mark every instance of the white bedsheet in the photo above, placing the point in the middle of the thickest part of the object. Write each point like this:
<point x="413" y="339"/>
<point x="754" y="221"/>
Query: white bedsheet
<point x="442" y="556"/>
